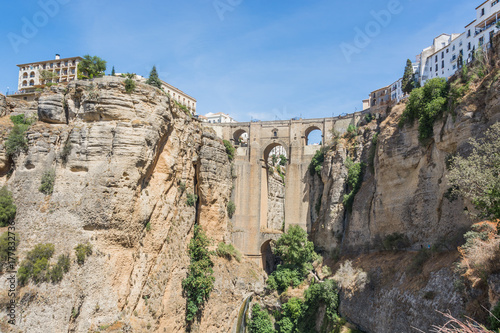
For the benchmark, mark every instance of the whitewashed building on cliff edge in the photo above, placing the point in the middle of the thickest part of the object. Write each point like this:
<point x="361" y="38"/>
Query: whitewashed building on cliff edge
<point x="448" y="52"/>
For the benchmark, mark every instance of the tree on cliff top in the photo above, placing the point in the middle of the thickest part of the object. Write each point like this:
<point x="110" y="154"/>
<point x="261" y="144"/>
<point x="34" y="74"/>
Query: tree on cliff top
<point x="154" y="80"/>
<point x="91" y="67"/>
<point x="477" y="176"/>
<point x="407" y="84"/>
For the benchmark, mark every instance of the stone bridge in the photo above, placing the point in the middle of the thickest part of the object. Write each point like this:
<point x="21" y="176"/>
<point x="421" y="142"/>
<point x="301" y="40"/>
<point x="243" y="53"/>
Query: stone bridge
<point x="252" y="231"/>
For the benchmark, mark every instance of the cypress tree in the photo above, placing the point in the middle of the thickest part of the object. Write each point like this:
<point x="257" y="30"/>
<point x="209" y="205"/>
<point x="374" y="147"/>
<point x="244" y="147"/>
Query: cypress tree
<point x="113" y="71"/>
<point x="408" y="78"/>
<point x="154" y="80"/>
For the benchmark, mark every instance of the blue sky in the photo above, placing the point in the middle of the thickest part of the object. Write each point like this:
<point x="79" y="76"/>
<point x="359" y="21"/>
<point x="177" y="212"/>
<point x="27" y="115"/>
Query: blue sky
<point x="250" y="58"/>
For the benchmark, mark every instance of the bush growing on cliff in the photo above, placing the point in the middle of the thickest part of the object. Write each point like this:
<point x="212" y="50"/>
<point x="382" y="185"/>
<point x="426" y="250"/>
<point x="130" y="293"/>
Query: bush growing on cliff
<point x="355" y="173"/>
<point x="16" y="141"/>
<point x="230" y="150"/>
<point x="476" y="177"/>
<point x="7" y="207"/>
<point x="191" y="199"/>
<point x="317" y="162"/>
<point x="66" y="151"/>
<point x="260" y="321"/>
<point x="82" y="251"/>
<point x="426" y="104"/>
<point x="35" y="265"/>
<point x="199" y="283"/>
<point x="228" y="251"/>
<point x="297" y="254"/>
<point x="8" y="247"/>
<point x="130" y="85"/>
<point x="91" y="67"/>
<point x="231" y="209"/>
<point x="47" y="182"/>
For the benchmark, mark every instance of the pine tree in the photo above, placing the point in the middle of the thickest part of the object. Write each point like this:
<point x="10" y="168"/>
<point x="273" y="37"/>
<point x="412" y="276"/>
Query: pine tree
<point x="154" y="80"/>
<point x="113" y="71"/>
<point x="408" y="78"/>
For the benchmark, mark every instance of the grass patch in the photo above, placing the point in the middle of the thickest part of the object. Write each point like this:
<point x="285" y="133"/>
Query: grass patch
<point x="228" y="251"/>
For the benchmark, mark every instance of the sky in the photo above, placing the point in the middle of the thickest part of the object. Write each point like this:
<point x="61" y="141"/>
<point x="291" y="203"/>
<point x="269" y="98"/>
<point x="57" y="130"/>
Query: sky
<point x="252" y="59"/>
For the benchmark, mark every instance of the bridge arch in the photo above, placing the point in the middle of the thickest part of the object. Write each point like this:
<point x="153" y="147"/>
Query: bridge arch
<point x="268" y="257"/>
<point x="312" y="134"/>
<point x="266" y="153"/>
<point x="241" y="137"/>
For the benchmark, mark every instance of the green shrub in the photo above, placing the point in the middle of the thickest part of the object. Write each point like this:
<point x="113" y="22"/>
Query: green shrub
<point x="18" y="120"/>
<point x="66" y="151"/>
<point x="283" y="160"/>
<point x="8" y="247"/>
<point x="230" y="150"/>
<point x="494" y="319"/>
<point x="317" y="294"/>
<point x="260" y="321"/>
<point x="129" y="85"/>
<point x="199" y="283"/>
<point x="82" y="251"/>
<point x="368" y="118"/>
<point x="284" y="277"/>
<point x="16" y="141"/>
<point x="373" y="152"/>
<point x="352" y="130"/>
<point x="426" y="104"/>
<point x="228" y="251"/>
<point x="148" y="226"/>
<point x="191" y="199"/>
<point x="56" y="272"/>
<point x="355" y="173"/>
<point x="36" y="264"/>
<point x="231" y="209"/>
<point x="7" y="207"/>
<point x="317" y="163"/>
<point x="291" y="315"/>
<point x="47" y="182"/>
<point x="396" y="241"/>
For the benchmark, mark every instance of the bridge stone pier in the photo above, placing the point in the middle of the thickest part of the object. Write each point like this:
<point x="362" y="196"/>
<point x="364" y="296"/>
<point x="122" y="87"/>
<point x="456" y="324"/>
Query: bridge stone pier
<point x="251" y="232"/>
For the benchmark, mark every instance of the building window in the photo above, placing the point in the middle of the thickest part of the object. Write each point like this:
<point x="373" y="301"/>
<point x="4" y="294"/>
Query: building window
<point x="25" y="75"/>
<point x="494" y="3"/>
<point x="73" y="71"/>
<point x="442" y="55"/>
<point x="442" y="64"/>
<point x="437" y="67"/>
<point x="32" y="74"/>
<point x="468" y="33"/>
<point x="481" y="41"/>
<point x="447" y="50"/>
<point x="25" y="83"/>
<point x="482" y="12"/>
<point x="44" y="66"/>
<point x="436" y="58"/>
<point x="454" y="67"/>
<point x="32" y="83"/>
<point x="51" y="65"/>
<point x="468" y="47"/>
<point x="453" y="49"/>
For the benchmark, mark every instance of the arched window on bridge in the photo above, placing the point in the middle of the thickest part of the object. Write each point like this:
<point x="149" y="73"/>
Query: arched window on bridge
<point x="276" y="155"/>
<point x="240" y="138"/>
<point x="314" y="136"/>
<point x="268" y="258"/>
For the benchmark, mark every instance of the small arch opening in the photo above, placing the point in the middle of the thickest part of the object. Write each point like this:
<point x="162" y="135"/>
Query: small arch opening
<point x="240" y="138"/>
<point x="314" y="136"/>
<point x="269" y="263"/>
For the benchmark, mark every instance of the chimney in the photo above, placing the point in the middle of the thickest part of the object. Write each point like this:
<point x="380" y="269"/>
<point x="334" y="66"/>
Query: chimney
<point x="58" y="56"/>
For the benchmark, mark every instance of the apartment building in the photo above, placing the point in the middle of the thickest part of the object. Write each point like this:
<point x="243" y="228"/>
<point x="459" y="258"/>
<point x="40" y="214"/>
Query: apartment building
<point x="218" y="118"/>
<point x="29" y="74"/>
<point x="448" y="53"/>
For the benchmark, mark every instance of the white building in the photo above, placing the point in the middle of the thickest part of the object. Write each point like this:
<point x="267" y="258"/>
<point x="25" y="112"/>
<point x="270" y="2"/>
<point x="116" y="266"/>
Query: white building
<point x="219" y="117"/>
<point x="397" y="91"/>
<point x="448" y="53"/>
<point x="29" y="74"/>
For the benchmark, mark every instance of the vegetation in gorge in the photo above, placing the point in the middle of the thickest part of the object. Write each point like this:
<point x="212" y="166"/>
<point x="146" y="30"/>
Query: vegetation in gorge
<point x="8" y="245"/>
<point x="17" y="141"/>
<point x="37" y="267"/>
<point x="7" y="207"/>
<point x="228" y="251"/>
<point x="260" y="321"/>
<point x="426" y="104"/>
<point x="477" y="176"/>
<point x="199" y="282"/>
<point x="231" y="209"/>
<point x="47" y="182"/>
<point x="317" y="162"/>
<point x="355" y="172"/>
<point x="82" y="251"/>
<point x="297" y="254"/>
<point x="230" y="150"/>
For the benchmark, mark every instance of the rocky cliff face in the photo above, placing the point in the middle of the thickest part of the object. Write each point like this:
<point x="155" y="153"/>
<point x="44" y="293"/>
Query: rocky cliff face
<point x="133" y="159"/>
<point x="404" y="193"/>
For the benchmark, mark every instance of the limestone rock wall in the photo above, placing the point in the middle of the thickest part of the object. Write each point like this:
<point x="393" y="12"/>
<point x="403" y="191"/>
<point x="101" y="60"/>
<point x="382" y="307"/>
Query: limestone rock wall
<point x="275" y="202"/>
<point x="123" y="187"/>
